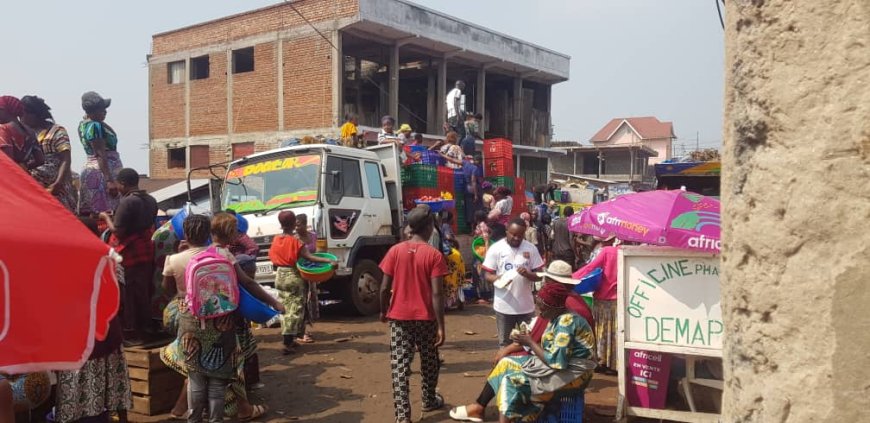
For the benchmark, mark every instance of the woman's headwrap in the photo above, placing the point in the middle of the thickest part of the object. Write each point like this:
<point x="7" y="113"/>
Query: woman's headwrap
<point x="554" y="294"/>
<point x="12" y="105"/>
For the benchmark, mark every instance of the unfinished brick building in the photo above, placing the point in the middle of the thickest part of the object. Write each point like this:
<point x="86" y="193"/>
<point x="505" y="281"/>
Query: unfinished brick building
<point x="226" y="88"/>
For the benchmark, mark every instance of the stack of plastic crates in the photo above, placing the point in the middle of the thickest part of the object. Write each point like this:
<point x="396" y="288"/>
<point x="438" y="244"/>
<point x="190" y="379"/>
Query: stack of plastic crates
<point x="498" y="157"/>
<point x="422" y="176"/>
<point x="570" y="409"/>
<point x="502" y="181"/>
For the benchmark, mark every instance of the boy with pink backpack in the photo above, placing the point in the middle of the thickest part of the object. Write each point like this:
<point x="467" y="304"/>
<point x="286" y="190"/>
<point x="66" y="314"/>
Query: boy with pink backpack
<point x="207" y="279"/>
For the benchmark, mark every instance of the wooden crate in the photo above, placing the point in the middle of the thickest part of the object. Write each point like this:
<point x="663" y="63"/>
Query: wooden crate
<point x="155" y="387"/>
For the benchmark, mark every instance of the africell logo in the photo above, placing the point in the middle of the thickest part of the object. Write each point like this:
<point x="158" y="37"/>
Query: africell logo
<point x="704" y="243"/>
<point x="602" y="217"/>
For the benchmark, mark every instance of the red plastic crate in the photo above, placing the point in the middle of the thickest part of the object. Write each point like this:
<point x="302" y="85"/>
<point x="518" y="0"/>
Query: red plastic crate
<point x="445" y="179"/>
<point x="498" y="167"/>
<point x="498" y="148"/>
<point x="411" y="194"/>
<point x="520" y="185"/>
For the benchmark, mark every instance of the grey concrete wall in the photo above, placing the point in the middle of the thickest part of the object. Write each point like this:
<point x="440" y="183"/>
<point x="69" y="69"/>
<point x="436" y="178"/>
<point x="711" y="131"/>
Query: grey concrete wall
<point x="796" y="208"/>
<point x="415" y="19"/>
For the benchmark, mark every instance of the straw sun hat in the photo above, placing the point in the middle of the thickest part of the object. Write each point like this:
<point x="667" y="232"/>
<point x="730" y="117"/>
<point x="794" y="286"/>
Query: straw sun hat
<point x="559" y="271"/>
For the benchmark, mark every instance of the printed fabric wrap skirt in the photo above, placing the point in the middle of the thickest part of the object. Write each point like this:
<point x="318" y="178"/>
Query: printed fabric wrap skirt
<point x="173" y="356"/>
<point x="101" y="384"/>
<point x="292" y="293"/>
<point x="604" y="313"/>
<point x="95" y="196"/>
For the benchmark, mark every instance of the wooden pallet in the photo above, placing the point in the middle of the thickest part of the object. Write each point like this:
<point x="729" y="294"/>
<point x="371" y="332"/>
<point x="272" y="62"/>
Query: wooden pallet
<point x="155" y="387"/>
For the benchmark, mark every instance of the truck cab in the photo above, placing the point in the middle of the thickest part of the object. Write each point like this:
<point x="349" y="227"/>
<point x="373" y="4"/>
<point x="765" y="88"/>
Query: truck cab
<point x="353" y="200"/>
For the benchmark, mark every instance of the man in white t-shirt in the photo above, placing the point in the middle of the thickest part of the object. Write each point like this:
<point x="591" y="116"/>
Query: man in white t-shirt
<point x="514" y="303"/>
<point x="456" y="109"/>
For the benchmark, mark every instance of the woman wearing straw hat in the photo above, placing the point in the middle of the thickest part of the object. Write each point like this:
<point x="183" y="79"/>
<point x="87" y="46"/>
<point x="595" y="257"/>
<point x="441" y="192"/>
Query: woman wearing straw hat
<point x="555" y="301"/>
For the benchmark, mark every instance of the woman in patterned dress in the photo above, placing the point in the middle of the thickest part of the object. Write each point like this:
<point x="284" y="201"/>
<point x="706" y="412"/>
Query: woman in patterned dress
<point x="311" y="303"/>
<point x="54" y="174"/>
<point x="560" y="363"/>
<point x="16" y="140"/>
<point x="102" y="385"/>
<point x="99" y="192"/>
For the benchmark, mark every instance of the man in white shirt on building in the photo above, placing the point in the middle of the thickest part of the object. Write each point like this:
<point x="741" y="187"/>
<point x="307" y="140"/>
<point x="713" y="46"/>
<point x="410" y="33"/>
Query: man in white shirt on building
<point x="514" y="302"/>
<point x="456" y="109"/>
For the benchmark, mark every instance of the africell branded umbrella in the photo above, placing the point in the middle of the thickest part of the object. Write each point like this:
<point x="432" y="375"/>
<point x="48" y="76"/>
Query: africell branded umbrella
<point x="674" y="218"/>
<point x="57" y="282"/>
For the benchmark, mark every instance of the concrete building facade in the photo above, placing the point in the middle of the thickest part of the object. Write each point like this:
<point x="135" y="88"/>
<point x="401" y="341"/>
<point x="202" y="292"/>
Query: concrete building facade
<point x="224" y="89"/>
<point x="618" y="163"/>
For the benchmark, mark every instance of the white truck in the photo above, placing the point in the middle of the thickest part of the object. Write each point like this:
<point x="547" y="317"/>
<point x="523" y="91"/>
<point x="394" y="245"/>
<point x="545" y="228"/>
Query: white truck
<point x="353" y="200"/>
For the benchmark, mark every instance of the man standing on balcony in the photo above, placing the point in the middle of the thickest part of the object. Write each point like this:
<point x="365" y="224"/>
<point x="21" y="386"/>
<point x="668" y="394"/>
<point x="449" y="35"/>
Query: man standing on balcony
<point x="456" y="110"/>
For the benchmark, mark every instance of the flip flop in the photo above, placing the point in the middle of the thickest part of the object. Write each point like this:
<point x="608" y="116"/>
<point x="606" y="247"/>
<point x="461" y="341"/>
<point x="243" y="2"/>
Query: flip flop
<point x="184" y="416"/>
<point x="461" y="414"/>
<point x="439" y="402"/>
<point x="305" y="340"/>
<point x="256" y="411"/>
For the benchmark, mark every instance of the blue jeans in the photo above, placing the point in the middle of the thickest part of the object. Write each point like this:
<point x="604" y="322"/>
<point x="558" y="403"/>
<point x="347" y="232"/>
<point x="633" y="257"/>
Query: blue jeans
<point x="205" y="392"/>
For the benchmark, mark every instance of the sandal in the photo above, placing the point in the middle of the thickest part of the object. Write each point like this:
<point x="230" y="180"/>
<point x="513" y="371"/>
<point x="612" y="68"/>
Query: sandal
<point x="439" y="402"/>
<point x="256" y="411"/>
<point x="461" y="414"/>
<point x="306" y="339"/>
<point x="182" y="416"/>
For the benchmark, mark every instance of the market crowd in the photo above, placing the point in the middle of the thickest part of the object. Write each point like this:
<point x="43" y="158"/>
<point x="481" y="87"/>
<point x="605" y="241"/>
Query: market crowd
<point x="550" y="342"/>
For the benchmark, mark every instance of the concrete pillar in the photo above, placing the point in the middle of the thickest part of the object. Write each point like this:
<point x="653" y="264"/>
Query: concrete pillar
<point x="431" y="104"/>
<point x="279" y="67"/>
<point x="337" y="80"/>
<point x="480" y="96"/>
<point x="393" y="102"/>
<point x="441" y="96"/>
<point x="796" y="202"/>
<point x="187" y="97"/>
<point x="517" y="121"/>
<point x="230" y="128"/>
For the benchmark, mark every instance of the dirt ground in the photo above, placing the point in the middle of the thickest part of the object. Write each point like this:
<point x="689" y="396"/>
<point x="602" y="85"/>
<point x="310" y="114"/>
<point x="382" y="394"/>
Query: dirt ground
<point x="345" y="375"/>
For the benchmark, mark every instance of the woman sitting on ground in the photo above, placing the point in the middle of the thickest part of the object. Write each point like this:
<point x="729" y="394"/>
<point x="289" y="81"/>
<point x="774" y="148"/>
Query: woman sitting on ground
<point x="552" y="357"/>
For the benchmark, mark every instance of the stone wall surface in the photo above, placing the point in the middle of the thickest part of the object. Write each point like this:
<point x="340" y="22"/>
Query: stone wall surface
<point x="796" y="202"/>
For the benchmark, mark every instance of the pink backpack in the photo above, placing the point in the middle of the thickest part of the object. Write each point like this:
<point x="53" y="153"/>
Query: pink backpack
<point x="212" y="288"/>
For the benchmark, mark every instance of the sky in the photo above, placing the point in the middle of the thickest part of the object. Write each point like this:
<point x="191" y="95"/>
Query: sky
<point x="660" y="58"/>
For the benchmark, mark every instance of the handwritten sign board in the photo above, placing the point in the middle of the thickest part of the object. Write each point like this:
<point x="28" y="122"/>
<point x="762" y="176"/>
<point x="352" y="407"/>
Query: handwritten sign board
<point x="668" y="302"/>
<point x="673" y="301"/>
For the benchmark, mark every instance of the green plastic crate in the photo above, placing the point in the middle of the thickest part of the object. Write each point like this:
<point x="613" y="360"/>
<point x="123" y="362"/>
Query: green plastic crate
<point x="422" y="176"/>
<point x="502" y="181"/>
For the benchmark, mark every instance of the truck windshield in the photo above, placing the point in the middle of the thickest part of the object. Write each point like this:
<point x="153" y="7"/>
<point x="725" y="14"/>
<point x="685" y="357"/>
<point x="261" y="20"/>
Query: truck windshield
<point x="272" y="183"/>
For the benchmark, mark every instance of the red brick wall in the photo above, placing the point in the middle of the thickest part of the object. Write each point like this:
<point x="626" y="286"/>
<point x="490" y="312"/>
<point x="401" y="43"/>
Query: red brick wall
<point x="255" y="94"/>
<point x="308" y="82"/>
<point x="167" y="104"/>
<point x="208" y="99"/>
<point x="269" y="19"/>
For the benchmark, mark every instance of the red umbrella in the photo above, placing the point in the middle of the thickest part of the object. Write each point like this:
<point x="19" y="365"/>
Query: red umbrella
<point x="58" y="290"/>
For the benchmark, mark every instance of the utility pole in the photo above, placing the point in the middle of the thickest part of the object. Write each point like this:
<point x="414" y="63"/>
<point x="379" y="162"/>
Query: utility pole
<point x="698" y="141"/>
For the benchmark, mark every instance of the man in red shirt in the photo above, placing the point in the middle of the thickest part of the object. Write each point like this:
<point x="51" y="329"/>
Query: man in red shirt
<point x="411" y="302"/>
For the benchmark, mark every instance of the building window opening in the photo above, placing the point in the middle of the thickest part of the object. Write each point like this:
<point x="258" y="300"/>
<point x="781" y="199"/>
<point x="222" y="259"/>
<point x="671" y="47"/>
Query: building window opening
<point x="175" y="71"/>
<point x="177" y="158"/>
<point x="199" y="67"/>
<point x="243" y="60"/>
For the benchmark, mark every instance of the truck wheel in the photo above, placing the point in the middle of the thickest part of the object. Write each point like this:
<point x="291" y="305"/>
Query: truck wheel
<point x="364" y="287"/>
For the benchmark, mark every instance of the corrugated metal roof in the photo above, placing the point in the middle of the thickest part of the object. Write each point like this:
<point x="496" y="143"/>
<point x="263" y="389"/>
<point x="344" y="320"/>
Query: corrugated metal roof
<point x="177" y="189"/>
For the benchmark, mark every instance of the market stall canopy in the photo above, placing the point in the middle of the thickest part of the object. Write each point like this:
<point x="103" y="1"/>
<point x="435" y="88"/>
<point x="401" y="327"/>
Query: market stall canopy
<point x="672" y="218"/>
<point x="58" y="290"/>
